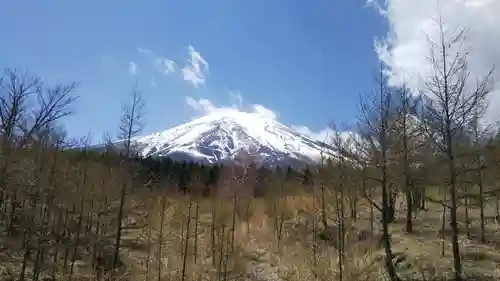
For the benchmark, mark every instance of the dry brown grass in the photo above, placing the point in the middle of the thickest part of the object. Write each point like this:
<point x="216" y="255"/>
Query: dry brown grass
<point x="257" y="255"/>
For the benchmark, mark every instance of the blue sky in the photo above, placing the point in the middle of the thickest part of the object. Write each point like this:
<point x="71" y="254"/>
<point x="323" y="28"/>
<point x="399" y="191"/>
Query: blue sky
<point x="306" y="60"/>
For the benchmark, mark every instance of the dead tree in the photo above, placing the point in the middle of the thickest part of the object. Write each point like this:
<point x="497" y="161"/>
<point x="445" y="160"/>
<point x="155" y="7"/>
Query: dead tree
<point x="374" y="125"/>
<point x="131" y="124"/>
<point x="27" y="105"/>
<point x="405" y="138"/>
<point x="342" y="164"/>
<point x="479" y="139"/>
<point x="452" y="101"/>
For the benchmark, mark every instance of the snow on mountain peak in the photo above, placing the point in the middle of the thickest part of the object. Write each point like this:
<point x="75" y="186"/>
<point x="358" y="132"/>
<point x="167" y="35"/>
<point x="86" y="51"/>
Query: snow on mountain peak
<point x="219" y="136"/>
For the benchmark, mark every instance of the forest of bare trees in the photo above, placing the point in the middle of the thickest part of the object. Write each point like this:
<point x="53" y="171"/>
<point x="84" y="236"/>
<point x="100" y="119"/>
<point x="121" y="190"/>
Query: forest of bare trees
<point x="415" y="197"/>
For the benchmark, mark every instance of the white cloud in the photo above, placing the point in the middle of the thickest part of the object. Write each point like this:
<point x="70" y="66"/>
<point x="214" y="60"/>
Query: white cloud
<point x="162" y="64"/>
<point x="237" y="96"/>
<point x="328" y="135"/>
<point x="196" y="69"/>
<point x="263" y="111"/>
<point x="324" y="135"/>
<point x="206" y="106"/>
<point x="405" y="48"/>
<point x="144" y="51"/>
<point x="132" y="68"/>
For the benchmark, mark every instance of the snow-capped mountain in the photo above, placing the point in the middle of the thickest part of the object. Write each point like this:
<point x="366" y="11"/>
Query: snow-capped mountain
<point x="220" y="136"/>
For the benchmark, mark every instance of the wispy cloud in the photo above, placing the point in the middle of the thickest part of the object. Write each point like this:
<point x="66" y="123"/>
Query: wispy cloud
<point x="164" y="65"/>
<point x="160" y="63"/>
<point x="144" y="51"/>
<point x="405" y="49"/>
<point x="236" y="95"/>
<point x="196" y="69"/>
<point x="132" y="68"/>
<point x="205" y="106"/>
<point x="324" y="135"/>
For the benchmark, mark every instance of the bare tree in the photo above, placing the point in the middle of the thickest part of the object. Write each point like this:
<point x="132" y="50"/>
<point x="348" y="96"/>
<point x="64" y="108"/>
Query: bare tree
<point x="374" y="123"/>
<point x="341" y="166"/>
<point x="453" y="100"/>
<point x="480" y="140"/>
<point x="406" y="143"/>
<point x="27" y="105"/>
<point x="131" y="123"/>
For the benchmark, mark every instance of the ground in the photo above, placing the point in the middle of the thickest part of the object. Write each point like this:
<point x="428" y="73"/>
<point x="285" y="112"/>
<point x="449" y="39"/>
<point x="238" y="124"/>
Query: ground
<point x="283" y="239"/>
<point x="300" y="253"/>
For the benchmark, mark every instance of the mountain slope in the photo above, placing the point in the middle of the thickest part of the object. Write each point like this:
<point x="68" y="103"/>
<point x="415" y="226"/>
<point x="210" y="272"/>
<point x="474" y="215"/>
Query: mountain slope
<point x="220" y="136"/>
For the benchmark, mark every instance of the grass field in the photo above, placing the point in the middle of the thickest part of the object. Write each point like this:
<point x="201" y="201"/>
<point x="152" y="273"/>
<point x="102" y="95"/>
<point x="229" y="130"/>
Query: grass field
<point x="279" y="238"/>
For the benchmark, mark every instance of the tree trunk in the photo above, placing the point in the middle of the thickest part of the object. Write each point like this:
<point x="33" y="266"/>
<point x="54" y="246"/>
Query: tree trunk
<point x="409" y="210"/>
<point x="481" y="206"/>
<point x="118" y="238"/>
